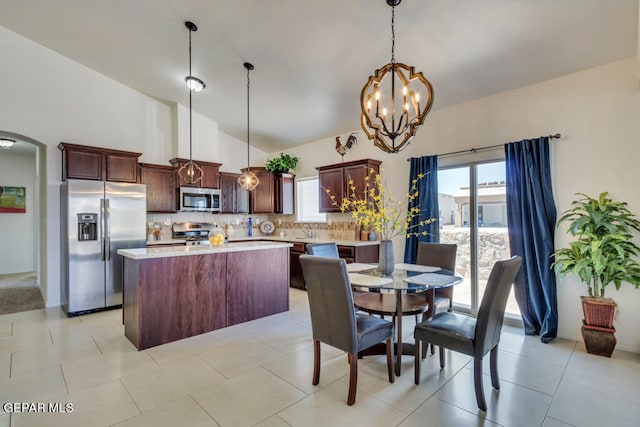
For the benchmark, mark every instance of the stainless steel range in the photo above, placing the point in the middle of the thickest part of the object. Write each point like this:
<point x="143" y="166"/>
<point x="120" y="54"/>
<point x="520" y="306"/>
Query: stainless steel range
<point x="195" y="233"/>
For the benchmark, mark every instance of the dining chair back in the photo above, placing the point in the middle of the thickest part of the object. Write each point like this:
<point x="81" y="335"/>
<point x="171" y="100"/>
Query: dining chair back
<point x="329" y="250"/>
<point x="473" y="337"/>
<point x="334" y="320"/>
<point x="441" y="255"/>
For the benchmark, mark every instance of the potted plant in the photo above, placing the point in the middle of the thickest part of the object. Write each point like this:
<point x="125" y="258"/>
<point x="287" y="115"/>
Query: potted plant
<point x="603" y="253"/>
<point x="283" y="164"/>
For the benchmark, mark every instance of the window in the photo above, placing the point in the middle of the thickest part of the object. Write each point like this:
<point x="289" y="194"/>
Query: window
<point x="308" y="200"/>
<point x="473" y="214"/>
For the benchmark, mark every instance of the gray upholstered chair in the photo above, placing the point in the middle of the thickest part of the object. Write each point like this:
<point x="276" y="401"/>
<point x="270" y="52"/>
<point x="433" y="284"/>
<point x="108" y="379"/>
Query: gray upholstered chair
<point x="473" y="337"/>
<point x="334" y="320"/>
<point x="329" y="250"/>
<point x="441" y="255"/>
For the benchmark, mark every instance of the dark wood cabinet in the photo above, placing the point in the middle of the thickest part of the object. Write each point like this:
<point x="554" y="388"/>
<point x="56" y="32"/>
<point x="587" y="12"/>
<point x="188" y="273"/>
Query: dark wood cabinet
<point x="275" y="192"/>
<point x="210" y="173"/>
<point x="285" y="193"/>
<point x="363" y="254"/>
<point x="296" y="278"/>
<point x="235" y="199"/>
<point x="331" y="180"/>
<point x="262" y="197"/>
<point x="100" y="164"/>
<point x="336" y="178"/>
<point x="162" y="189"/>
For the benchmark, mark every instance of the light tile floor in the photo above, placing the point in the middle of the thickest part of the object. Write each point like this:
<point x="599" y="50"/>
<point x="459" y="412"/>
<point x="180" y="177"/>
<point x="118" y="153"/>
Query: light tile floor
<point x="259" y="373"/>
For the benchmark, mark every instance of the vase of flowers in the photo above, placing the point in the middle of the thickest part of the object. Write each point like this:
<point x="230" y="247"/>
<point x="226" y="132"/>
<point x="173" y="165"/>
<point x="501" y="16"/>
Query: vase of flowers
<point x="386" y="262"/>
<point x="376" y="209"/>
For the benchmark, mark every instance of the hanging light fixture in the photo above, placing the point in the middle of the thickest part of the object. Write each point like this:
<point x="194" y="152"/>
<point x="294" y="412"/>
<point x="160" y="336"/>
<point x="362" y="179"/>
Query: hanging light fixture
<point x="6" y="143"/>
<point x="391" y="116"/>
<point x="191" y="172"/>
<point x="248" y="180"/>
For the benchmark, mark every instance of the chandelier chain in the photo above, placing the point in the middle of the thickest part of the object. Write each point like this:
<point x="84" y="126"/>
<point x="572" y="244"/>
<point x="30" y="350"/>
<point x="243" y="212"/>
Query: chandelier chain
<point x="393" y="35"/>
<point x="190" y="114"/>
<point x="248" y="86"/>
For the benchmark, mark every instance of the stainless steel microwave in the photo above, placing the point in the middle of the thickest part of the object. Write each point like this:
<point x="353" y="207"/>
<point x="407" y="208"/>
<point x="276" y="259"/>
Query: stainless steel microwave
<point x="200" y="199"/>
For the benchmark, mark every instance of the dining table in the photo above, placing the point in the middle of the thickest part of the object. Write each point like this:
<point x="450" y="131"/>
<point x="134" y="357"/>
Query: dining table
<point x="405" y="279"/>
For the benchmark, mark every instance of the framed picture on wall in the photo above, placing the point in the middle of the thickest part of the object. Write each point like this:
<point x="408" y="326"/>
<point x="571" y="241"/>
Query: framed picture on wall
<point x="12" y="200"/>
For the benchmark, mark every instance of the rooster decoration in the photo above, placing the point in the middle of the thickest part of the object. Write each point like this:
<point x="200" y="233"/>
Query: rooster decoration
<point x="342" y="149"/>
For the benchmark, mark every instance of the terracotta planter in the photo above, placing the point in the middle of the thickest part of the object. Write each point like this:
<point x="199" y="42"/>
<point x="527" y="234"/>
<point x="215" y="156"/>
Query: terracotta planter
<point x="598" y="311"/>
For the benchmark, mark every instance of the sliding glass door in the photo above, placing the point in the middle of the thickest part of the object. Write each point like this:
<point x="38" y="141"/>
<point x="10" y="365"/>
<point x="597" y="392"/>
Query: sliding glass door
<point x="473" y="214"/>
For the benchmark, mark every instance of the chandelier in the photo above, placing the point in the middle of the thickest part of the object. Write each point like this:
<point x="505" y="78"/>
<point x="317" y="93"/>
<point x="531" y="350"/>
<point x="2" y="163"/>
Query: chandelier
<point x="395" y="101"/>
<point x="248" y="180"/>
<point x="191" y="172"/>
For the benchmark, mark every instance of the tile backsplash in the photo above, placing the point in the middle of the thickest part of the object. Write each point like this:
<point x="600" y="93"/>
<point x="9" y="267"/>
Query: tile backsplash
<point x="338" y="226"/>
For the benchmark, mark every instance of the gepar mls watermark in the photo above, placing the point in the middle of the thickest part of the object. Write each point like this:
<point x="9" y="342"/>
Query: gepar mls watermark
<point x="37" y="407"/>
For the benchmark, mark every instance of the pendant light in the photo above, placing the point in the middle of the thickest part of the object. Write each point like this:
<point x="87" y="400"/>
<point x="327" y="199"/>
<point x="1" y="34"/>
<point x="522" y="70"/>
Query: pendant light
<point x="248" y="180"/>
<point x="190" y="172"/>
<point x="6" y="143"/>
<point x="393" y="121"/>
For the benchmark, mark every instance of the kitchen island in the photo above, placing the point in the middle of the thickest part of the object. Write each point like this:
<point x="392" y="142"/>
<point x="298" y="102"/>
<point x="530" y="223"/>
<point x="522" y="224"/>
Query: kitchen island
<point x="171" y="293"/>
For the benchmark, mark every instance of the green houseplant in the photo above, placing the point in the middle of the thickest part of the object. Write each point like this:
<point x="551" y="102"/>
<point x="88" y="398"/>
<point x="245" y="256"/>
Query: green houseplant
<point x="602" y="253"/>
<point x="284" y="163"/>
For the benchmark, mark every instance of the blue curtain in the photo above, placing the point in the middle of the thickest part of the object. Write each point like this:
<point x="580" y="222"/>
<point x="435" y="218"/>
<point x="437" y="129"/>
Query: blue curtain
<point x="427" y="202"/>
<point x="531" y="214"/>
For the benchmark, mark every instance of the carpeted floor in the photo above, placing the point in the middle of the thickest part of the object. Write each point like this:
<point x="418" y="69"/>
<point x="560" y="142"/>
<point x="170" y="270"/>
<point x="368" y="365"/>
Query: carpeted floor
<point x="19" y="292"/>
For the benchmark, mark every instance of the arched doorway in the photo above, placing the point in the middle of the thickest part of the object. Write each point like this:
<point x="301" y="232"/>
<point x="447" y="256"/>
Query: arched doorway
<point x="23" y="243"/>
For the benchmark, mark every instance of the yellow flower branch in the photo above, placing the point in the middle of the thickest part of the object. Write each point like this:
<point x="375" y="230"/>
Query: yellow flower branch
<point x="376" y="209"/>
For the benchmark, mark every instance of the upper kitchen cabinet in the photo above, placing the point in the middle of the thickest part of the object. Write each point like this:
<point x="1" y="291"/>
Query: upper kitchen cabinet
<point x="101" y="164"/>
<point x="161" y="182"/>
<point x="235" y="199"/>
<point x="274" y="194"/>
<point x="210" y="173"/>
<point x="284" y="197"/>
<point x="335" y="178"/>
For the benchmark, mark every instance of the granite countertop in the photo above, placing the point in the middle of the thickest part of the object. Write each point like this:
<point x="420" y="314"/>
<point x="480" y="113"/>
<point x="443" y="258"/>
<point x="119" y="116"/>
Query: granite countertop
<point x="293" y="239"/>
<point x="174" y="251"/>
<point x="166" y="242"/>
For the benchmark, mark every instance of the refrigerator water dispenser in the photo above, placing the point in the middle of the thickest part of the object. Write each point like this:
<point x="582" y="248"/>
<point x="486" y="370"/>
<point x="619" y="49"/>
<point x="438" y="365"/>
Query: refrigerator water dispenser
<point x="87" y="226"/>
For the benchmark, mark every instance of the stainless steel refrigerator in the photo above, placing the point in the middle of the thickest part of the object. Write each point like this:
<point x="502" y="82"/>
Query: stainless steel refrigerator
<point x="97" y="219"/>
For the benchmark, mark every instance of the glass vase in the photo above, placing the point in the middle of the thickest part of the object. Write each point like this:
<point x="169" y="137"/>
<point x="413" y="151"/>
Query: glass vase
<point x="386" y="262"/>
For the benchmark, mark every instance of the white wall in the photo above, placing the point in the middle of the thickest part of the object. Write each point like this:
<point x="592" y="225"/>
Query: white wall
<point x="597" y="111"/>
<point x="233" y="154"/>
<point x="17" y="230"/>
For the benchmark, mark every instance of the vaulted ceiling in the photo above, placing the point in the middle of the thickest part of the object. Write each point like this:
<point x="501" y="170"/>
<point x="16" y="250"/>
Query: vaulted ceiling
<point x="312" y="58"/>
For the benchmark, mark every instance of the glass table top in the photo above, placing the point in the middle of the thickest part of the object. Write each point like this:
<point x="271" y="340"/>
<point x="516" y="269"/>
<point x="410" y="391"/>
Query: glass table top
<point x="405" y="277"/>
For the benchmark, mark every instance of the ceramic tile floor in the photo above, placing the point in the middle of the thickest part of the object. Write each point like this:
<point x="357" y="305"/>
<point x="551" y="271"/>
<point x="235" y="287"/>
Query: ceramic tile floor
<point x="259" y="373"/>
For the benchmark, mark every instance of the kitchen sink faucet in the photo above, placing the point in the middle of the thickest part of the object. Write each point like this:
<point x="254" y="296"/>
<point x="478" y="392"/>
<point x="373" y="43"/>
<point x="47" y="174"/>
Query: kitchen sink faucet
<point x="308" y="232"/>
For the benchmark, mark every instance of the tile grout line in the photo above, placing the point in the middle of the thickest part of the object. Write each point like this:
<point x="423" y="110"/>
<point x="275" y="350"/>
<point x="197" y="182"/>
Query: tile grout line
<point x="130" y="397"/>
<point x="190" y="395"/>
<point x="64" y="378"/>
<point x="433" y="395"/>
<point x="564" y="370"/>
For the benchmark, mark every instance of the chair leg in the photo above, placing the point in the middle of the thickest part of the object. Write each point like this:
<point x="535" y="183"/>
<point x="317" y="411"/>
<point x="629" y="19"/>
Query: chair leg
<point x="353" y="379"/>
<point x="316" y="362"/>
<point x="477" y="382"/>
<point x="493" y="359"/>
<point x="417" y="354"/>
<point x="392" y="375"/>
<point x="441" y="357"/>
<point x="433" y="349"/>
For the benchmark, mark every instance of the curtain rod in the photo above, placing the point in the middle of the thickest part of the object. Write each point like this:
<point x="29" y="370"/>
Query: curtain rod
<point x="473" y="150"/>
